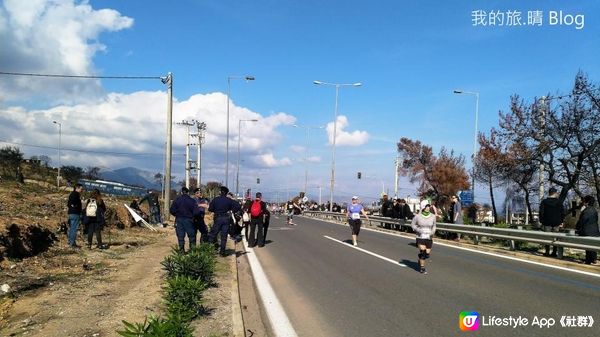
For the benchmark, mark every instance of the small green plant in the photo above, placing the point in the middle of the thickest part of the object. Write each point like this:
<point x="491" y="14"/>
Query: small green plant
<point x="172" y="326"/>
<point x="183" y="297"/>
<point x="199" y="263"/>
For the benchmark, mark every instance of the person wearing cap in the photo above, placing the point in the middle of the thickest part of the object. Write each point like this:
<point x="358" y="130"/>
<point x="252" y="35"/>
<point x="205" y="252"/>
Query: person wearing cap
<point x="184" y="208"/>
<point x="354" y="211"/>
<point x="258" y="211"/>
<point x="223" y="208"/>
<point x="423" y="224"/>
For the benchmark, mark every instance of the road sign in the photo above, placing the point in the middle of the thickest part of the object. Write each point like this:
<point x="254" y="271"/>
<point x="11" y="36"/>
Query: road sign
<point x="466" y="198"/>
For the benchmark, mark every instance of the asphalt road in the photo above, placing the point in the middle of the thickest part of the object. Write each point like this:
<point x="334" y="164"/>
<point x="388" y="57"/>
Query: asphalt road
<point x="328" y="288"/>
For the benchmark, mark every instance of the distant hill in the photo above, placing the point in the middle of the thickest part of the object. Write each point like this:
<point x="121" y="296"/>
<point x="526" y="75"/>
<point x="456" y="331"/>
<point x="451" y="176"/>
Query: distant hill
<point x="131" y="176"/>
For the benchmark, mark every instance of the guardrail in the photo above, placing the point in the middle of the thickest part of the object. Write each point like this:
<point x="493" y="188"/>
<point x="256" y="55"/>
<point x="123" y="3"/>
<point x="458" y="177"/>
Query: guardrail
<point x="558" y="239"/>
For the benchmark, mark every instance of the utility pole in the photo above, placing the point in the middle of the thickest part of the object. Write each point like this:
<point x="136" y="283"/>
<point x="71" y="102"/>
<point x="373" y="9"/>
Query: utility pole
<point x="397" y="166"/>
<point x="168" y="80"/>
<point x="187" y="151"/>
<point x="201" y="130"/>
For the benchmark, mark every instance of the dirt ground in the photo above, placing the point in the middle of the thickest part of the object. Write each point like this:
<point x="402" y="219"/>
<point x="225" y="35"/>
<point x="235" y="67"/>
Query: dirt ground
<point x="65" y="292"/>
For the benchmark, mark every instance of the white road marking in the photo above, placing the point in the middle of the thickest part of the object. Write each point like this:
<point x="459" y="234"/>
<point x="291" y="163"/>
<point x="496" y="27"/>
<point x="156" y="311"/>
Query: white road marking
<point x="367" y="252"/>
<point x="482" y="252"/>
<point x="280" y="323"/>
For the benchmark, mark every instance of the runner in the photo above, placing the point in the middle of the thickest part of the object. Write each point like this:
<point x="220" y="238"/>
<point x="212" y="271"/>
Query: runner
<point x="291" y="208"/>
<point x="354" y="211"/>
<point x="424" y="226"/>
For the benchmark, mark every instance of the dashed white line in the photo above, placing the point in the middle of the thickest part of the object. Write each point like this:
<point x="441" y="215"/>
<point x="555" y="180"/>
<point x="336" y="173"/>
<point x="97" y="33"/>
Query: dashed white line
<point x="367" y="252"/>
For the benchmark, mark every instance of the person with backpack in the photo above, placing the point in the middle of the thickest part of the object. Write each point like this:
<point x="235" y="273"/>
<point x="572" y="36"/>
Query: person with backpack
<point x="258" y="211"/>
<point x="94" y="219"/>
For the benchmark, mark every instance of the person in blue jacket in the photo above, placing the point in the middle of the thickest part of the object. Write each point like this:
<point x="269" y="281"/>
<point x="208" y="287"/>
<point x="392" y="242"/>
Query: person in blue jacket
<point x="184" y="208"/>
<point x="223" y="209"/>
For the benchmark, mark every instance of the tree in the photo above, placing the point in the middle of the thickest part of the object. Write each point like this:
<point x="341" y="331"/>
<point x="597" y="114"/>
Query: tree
<point x="10" y="161"/>
<point x="92" y="172"/>
<point x="158" y="178"/>
<point x="439" y="176"/>
<point x="490" y="165"/>
<point x="213" y="188"/>
<point x="71" y="173"/>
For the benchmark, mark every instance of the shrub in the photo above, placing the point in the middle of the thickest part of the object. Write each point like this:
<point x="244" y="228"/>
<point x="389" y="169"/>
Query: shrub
<point x="173" y="326"/>
<point x="183" y="297"/>
<point x="198" y="263"/>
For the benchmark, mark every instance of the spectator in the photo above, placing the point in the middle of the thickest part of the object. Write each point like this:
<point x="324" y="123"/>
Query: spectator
<point x="386" y="210"/>
<point x="74" y="212"/>
<point x="199" y="224"/>
<point x="258" y="211"/>
<point x="94" y="219"/>
<point x="154" y="206"/>
<point x="588" y="225"/>
<point x="552" y="214"/>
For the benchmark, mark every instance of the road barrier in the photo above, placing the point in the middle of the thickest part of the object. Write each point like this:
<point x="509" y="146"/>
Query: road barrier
<point x="559" y="239"/>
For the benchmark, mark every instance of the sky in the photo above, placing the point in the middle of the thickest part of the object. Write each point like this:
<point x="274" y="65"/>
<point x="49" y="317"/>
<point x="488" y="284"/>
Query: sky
<point x="408" y="55"/>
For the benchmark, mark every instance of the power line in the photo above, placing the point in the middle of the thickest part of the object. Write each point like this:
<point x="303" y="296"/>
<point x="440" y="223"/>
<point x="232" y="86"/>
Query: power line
<point x="86" y="151"/>
<point x="82" y="76"/>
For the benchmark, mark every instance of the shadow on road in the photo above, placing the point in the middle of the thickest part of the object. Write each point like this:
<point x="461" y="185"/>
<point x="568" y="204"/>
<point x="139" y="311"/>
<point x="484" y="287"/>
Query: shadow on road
<point x="411" y="264"/>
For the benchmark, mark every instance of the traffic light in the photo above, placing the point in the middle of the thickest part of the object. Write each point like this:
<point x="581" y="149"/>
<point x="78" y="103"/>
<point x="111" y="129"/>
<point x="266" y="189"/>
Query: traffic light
<point x="359" y="175"/>
<point x="258" y="180"/>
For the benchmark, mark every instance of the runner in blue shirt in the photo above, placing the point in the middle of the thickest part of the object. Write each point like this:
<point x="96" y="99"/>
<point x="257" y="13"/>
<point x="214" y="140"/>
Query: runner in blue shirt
<point x="354" y="211"/>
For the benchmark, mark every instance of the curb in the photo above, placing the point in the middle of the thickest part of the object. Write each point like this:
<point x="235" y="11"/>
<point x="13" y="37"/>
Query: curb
<point x="237" y="319"/>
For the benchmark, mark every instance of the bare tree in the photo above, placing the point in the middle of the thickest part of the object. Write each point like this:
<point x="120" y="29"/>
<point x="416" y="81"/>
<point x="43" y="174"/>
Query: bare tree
<point x="491" y="165"/>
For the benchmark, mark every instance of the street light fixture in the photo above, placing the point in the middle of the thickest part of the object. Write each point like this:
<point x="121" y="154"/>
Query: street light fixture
<point x="476" y="94"/>
<point x="59" y="144"/>
<point x="337" y="92"/>
<point x="237" y="176"/>
<point x="229" y="78"/>
<point x="307" y="127"/>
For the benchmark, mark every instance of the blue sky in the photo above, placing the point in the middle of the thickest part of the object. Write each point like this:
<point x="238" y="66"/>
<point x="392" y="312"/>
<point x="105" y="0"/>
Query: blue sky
<point x="408" y="55"/>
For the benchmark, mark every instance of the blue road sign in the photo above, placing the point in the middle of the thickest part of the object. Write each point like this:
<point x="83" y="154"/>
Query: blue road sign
<point x="466" y="198"/>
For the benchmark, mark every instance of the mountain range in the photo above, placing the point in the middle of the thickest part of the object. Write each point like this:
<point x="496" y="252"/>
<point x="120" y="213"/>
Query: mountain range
<point x="132" y="176"/>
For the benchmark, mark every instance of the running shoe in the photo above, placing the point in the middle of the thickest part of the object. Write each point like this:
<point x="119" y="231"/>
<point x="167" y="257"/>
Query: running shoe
<point x="423" y="271"/>
<point x="355" y="244"/>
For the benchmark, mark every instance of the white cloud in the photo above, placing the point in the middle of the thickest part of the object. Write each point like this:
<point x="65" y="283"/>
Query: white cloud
<point x="346" y="138"/>
<point x="314" y="159"/>
<point x="297" y="148"/>
<point x="55" y="37"/>
<point x="136" y="123"/>
<point x="269" y="160"/>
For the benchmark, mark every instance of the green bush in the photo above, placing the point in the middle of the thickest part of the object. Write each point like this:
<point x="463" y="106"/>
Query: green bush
<point x="183" y="297"/>
<point x="199" y="263"/>
<point x="173" y="326"/>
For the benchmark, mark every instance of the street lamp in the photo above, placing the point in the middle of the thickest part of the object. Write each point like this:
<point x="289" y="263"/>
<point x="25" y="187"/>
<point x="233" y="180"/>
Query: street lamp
<point x="229" y="78"/>
<point x="476" y="94"/>
<point x="337" y="92"/>
<point x="59" y="141"/>
<point x="237" y="176"/>
<point x="306" y="151"/>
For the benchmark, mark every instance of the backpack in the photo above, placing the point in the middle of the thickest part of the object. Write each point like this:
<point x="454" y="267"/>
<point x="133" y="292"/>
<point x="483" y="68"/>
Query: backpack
<point x="256" y="209"/>
<point x="91" y="208"/>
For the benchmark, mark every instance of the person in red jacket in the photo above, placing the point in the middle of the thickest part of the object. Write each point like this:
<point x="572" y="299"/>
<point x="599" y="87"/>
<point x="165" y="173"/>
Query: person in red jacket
<point x="258" y="211"/>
